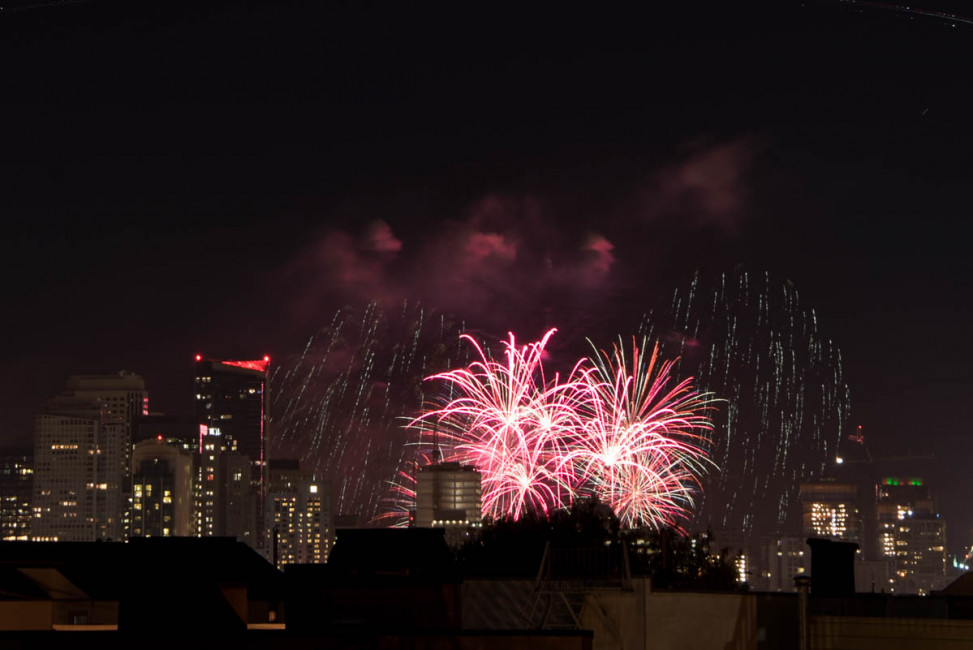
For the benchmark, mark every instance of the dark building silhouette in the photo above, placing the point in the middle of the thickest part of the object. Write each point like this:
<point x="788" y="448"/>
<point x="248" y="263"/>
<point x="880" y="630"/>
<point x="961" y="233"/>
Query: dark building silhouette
<point x="378" y="579"/>
<point x="832" y="567"/>
<point x="186" y="586"/>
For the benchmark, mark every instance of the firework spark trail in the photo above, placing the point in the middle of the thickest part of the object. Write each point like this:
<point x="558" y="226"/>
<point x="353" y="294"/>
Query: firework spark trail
<point x="399" y="503"/>
<point x="621" y="435"/>
<point x="748" y="339"/>
<point x="338" y="403"/>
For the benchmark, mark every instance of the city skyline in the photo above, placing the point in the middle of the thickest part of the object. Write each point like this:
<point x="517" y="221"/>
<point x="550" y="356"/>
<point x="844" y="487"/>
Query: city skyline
<point x="199" y="194"/>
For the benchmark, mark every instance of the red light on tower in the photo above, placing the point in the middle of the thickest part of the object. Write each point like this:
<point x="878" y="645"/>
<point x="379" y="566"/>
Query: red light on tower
<point x="267" y="358"/>
<point x="199" y="357"/>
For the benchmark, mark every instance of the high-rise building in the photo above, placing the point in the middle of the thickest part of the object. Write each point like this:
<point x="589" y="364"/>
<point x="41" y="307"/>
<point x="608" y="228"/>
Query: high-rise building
<point x="224" y="493"/>
<point x="162" y="490"/>
<point x="830" y="510"/>
<point x="237" y="500"/>
<point x="300" y="515"/>
<point x="232" y="413"/>
<point x="125" y="399"/>
<point x="231" y="400"/>
<point x="82" y="452"/>
<point x="16" y="484"/>
<point x="785" y="559"/>
<point x="79" y="463"/>
<point x="123" y="395"/>
<point x="449" y="495"/>
<point x="911" y="535"/>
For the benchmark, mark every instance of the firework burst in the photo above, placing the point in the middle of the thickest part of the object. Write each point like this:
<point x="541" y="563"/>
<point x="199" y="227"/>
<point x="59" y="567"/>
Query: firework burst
<point x="608" y="430"/>
<point x="643" y="443"/>
<point x="510" y="421"/>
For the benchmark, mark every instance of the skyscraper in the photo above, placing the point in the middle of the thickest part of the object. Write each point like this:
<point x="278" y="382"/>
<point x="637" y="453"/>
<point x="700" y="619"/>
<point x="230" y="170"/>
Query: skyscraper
<point x="162" y="490"/>
<point x="124" y="400"/>
<point x="911" y="535"/>
<point x="123" y="394"/>
<point x="231" y="411"/>
<point x="16" y="484"/>
<point x="784" y="559"/>
<point x="830" y="510"/>
<point x="231" y="398"/>
<point x="300" y="515"/>
<point x="449" y="495"/>
<point x="78" y="472"/>
<point x="82" y="448"/>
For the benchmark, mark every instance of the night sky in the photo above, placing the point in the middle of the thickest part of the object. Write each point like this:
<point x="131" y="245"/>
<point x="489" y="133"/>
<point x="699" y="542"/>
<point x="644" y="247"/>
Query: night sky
<point x="199" y="177"/>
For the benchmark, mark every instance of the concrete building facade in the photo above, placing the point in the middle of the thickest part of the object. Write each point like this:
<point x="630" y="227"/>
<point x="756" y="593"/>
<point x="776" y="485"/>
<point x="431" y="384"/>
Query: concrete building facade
<point x="80" y="466"/>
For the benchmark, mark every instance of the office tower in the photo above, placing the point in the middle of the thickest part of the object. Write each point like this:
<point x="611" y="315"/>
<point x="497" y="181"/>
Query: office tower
<point x="231" y="411"/>
<point x="206" y="485"/>
<point x="123" y="395"/>
<point x="125" y="399"/>
<point x="79" y="471"/>
<point x="300" y="516"/>
<point x="830" y="510"/>
<point x="82" y="449"/>
<point x="448" y="495"/>
<point x="224" y="493"/>
<point x="162" y="490"/>
<point x="16" y="484"/>
<point x="785" y="559"/>
<point x="231" y="398"/>
<point x="912" y="536"/>
<point x="237" y="513"/>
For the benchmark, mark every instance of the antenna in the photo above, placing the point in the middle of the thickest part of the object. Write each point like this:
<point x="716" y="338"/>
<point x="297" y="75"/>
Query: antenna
<point x="437" y="454"/>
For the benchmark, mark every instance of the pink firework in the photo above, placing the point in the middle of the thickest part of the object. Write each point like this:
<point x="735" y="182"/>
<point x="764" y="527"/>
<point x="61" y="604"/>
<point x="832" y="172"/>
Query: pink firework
<point x="607" y="430"/>
<point x="510" y="422"/>
<point x="644" y="442"/>
<point x="399" y="504"/>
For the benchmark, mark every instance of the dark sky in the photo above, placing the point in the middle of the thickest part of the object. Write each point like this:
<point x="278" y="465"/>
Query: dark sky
<point x="182" y="177"/>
